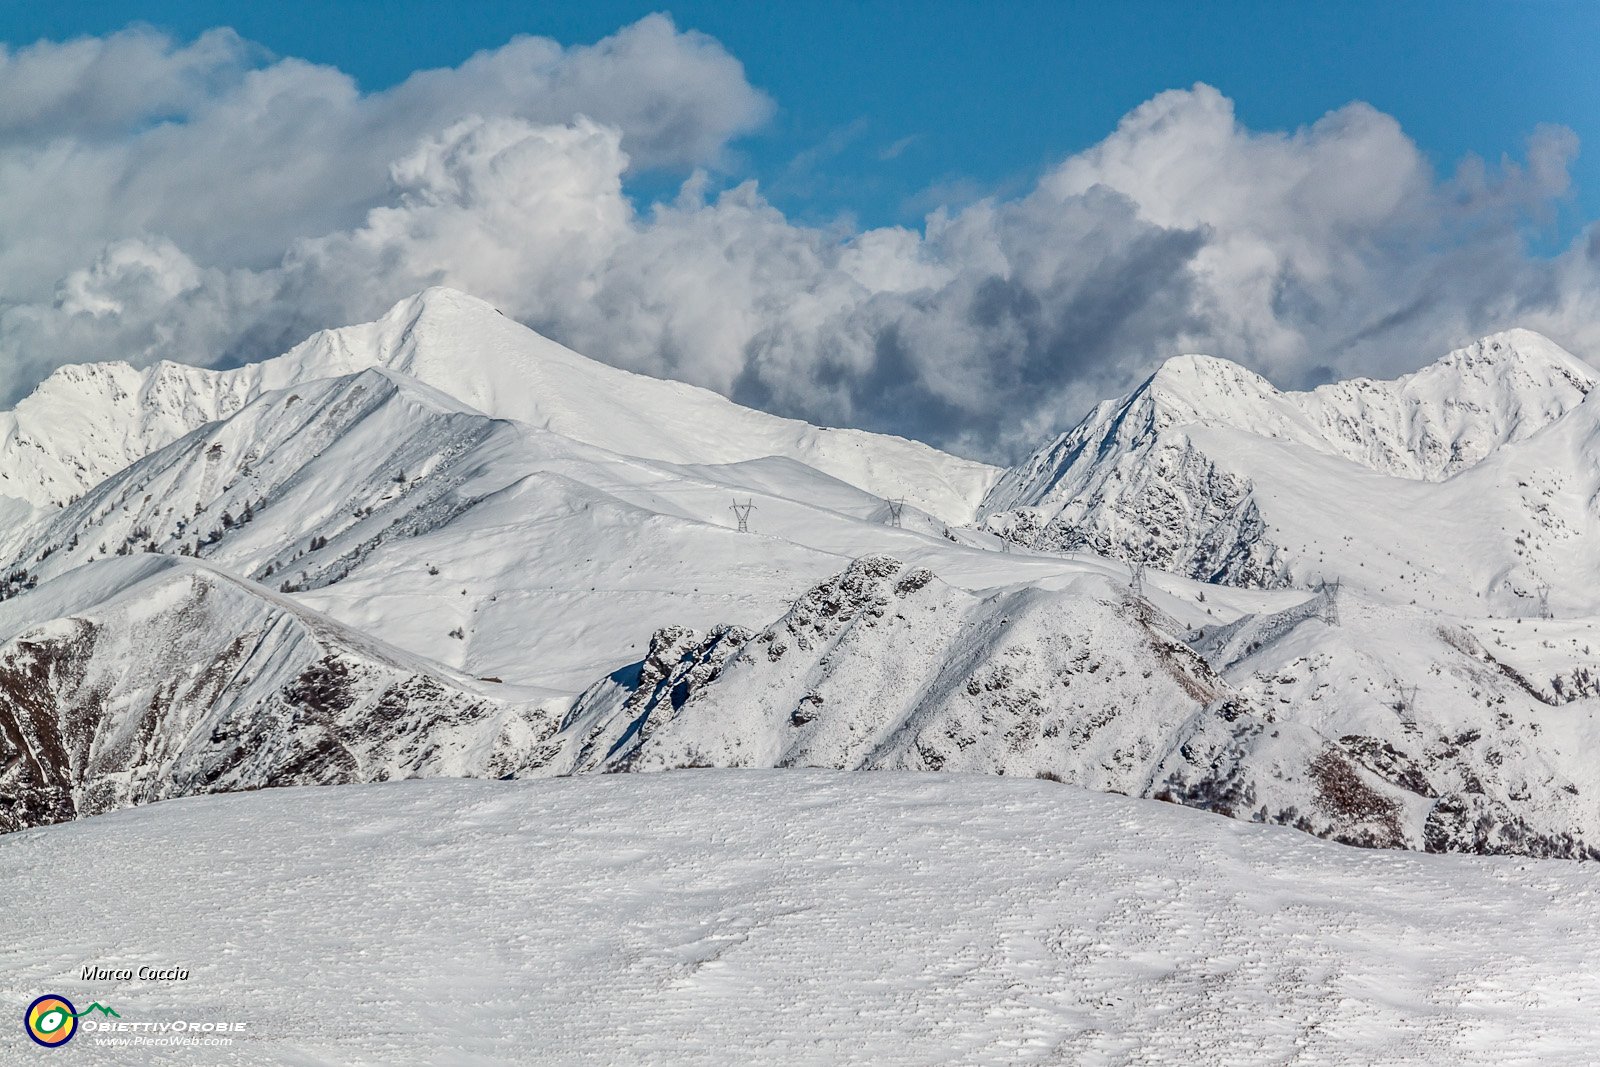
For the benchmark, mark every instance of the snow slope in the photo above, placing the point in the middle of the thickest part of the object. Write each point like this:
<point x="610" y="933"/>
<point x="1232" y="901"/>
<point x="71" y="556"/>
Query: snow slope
<point x="1467" y="485"/>
<point x="885" y="666"/>
<point x="86" y="422"/>
<point x="406" y="513"/>
<point x="136" y="679"/>
<point x="1393" y="729"/>
<point x="798" y="917"/>
<point x="538" y="553"/>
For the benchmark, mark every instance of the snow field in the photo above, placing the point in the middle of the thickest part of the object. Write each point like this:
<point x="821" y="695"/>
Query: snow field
<point x="792" y="917"/>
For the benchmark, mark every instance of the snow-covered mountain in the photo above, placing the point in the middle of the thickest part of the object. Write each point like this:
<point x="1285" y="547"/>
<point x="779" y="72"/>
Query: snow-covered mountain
<point x="885" y="666"/>
<point x="499" y="557"/>
<point x="1386" y="727"/>
<point x="1469" y="484"/>
<point x="87" y="422"/>
<point x="137" y="679"/>
<point x="500" y="548"/>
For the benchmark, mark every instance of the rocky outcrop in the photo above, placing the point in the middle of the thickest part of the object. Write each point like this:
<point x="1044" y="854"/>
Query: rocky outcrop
<point x="884" y="666"/>
<point x="1167" y="475"/>
<point x="1169" y="507"/>
<point x="186" y="681"/>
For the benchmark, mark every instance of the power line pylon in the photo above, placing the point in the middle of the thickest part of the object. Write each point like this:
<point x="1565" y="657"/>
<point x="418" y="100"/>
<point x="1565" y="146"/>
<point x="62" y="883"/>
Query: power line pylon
<point x="1136" y="576"/>
<point x="1330" y="601"/>
<point x="742" y="513"/>
<point x="895" y="507"/>
<point x="1544" y="600"/>
<point x="1406" y="702"/>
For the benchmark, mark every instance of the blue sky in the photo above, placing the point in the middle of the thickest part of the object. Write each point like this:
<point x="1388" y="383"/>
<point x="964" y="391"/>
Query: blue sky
<point x="959" y="222"/>
<point x="887" y="107"/>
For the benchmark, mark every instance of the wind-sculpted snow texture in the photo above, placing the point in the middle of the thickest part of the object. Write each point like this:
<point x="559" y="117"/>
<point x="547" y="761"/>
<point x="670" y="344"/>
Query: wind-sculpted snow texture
<point x="797" y="917"/>
<point x="439" y="544"/>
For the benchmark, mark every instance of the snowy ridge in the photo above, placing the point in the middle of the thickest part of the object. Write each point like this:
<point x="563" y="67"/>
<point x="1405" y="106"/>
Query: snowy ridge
<point x="1468" y="484"/>
<point x="1455" y="413"/>
<point x="86" y="422"/>
<point x="1427" y="425"/>
<point x="440" y="544"/>
<point x="1293" y="720"/>
<point x="454" y="531"/>
<point x="333" y="452"/>
<point x="886" y="667"/>
<point x="133" y="680"/>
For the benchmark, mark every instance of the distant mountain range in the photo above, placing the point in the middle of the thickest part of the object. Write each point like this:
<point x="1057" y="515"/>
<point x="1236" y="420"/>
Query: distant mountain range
<point x="440" y="544"/>
<point x="1472" y="482"/>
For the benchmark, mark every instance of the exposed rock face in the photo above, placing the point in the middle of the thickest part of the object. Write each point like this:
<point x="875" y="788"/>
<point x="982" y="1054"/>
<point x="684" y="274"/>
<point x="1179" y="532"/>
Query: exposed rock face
<point x="1168" y="506"/>
<point x="679" y="663"/>
<point x="1167" y="475"/>
<point x="186" y="681"/>
<point x="884" y="666"/>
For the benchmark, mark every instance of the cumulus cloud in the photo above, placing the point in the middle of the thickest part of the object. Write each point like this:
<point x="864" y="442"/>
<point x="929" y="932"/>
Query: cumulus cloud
<point x="1328" y="250"/>
<point x="233" y="155"/>
<point x="100" y="86"/>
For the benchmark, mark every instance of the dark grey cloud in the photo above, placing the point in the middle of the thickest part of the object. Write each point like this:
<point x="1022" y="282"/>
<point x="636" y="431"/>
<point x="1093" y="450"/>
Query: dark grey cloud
<point x="285" y="200"/>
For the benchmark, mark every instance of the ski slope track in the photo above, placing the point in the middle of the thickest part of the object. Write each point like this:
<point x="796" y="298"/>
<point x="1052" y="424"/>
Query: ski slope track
<point x="440" y="545"/>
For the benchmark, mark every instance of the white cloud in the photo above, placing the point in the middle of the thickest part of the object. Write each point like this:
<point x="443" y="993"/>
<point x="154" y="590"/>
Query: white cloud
<point x="234" y="157"/>
<point x="257" y="218"/>
<point x="896" y="149"/>
<point x="102" y="86"/>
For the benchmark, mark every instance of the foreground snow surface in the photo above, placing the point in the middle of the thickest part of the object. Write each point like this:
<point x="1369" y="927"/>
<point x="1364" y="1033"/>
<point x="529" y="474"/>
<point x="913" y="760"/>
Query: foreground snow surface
<point x="791" y="917"/>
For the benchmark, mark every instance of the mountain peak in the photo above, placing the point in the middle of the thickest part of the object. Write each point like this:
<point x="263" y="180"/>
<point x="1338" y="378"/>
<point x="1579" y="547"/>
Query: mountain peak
<point x="1193" y="376"/>
<point x="439" y="300"/>
<point x="1198" y="364"/>
<point x="1209" y="390"/>
<point x="1514" y="350"/>
<point x="99" y="418"/>
<point x="1429" y="426"/>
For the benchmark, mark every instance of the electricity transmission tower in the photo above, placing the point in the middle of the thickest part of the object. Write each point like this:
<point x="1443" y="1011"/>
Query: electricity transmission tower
<point x="1544" y="600"/>
<point x="1136" y="576"/>
<point x="1330" y="601"/>
<point x="1406" y="703"/>
<point x="895" y="507"/>
<point x="742" y="513"/>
